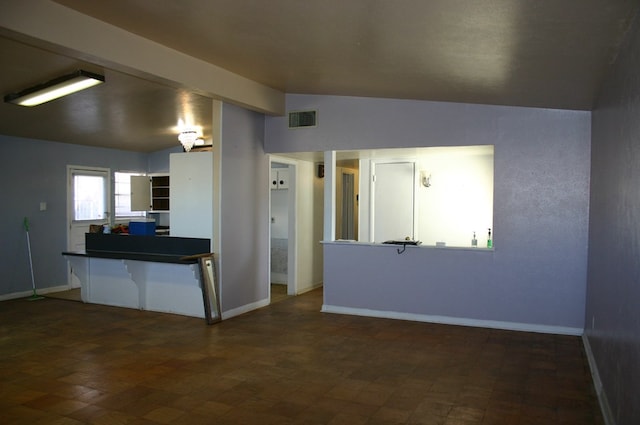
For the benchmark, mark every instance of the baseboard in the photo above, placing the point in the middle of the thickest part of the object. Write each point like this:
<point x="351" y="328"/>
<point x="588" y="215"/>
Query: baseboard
<point x="309" y="288"/>
<point x="244" y="309"/>
<point x="597" y="383"/>
<point x="256" y="305"/>
<point x="460" y="321"/>
<point x="39" y="291"/>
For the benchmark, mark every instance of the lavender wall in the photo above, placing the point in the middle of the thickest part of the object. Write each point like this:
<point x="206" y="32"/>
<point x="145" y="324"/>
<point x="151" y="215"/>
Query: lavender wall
<point x="244" y="251"/>
<point x="158" y="162"/>
<point x="537" y="274"/>
<point x="33" y="171"/>
<point x="613" y="291"/>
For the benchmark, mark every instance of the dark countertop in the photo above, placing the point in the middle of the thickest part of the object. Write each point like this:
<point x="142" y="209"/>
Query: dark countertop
<point x="165" y="249"/>
<point x="136" y="256"/>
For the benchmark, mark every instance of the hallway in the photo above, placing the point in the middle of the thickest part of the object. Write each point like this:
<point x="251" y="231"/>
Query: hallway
<point x="66" y="362"/>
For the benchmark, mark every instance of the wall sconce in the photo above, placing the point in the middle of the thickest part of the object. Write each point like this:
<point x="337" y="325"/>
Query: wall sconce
<point x="54" y="89"/>
<point x="425" y="178"/>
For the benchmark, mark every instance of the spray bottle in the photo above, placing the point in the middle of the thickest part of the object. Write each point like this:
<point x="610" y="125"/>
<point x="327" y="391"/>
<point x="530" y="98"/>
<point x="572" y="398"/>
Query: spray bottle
<point x="474" y="241"/>
<point x="489" y="241"/>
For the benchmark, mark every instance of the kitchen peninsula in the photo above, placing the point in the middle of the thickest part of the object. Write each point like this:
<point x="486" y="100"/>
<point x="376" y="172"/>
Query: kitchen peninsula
<point x="144" y="272"/>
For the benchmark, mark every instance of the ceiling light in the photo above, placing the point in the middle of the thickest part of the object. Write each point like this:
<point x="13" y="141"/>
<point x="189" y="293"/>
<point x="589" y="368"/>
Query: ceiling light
<point x="55" y="88"/>
<point x="188" y="137"/>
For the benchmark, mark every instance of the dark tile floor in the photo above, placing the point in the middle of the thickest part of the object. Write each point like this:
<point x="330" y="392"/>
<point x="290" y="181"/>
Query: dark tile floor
<point x="65" y="362"/>
<point x="278" y="293"/>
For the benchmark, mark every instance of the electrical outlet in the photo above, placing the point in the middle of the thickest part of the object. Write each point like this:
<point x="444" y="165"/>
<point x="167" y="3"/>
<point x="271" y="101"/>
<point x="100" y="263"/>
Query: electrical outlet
<point x="43" y="206"/>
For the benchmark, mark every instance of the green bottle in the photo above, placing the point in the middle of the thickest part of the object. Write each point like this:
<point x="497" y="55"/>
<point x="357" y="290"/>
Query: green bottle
<point x="489" y="242"/>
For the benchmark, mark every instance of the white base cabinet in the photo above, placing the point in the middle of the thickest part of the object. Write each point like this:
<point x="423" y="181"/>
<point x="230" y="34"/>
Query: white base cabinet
<point x="144" y="285"/>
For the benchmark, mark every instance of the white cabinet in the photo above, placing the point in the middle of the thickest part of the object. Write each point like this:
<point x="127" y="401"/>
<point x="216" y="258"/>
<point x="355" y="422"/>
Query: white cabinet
<point x="150" y="193"/>
<point x="191" y="194"/>
<point x="279" y="178"/>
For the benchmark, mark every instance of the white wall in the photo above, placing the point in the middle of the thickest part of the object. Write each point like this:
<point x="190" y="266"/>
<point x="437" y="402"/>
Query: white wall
<point x="309" y="189"/>
<point x="459" y="200"/>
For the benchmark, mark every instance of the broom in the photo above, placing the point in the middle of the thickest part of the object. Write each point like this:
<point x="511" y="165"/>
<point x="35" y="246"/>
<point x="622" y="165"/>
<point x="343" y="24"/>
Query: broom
<point x="34" y="296"/>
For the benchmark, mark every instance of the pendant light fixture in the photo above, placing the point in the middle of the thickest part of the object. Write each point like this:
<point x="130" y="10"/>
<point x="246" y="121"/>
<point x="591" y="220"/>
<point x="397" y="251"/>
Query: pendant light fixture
<point x="188" y="137"/>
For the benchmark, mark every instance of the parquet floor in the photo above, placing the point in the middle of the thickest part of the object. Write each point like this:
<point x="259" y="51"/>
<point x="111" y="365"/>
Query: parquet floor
<point x="65" y="362"/>
<point x="278" y="292"/>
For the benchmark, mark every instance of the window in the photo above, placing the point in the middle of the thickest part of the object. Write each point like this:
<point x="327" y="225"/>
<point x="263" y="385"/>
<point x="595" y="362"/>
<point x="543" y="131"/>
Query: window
<point x="436" y="195"/>
<point x="123" y="195"/>
<point x="89" y="195"/>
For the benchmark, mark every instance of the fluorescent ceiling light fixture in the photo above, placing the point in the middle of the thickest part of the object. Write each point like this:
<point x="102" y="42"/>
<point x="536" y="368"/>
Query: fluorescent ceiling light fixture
<point x="55" y="88"/>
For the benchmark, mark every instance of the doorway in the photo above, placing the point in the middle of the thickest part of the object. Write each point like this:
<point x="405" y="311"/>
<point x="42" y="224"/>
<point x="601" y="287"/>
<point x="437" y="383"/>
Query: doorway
<point x="88" y="203"/>
<point x="347" y="195"/>
<point x="282" y="229"/>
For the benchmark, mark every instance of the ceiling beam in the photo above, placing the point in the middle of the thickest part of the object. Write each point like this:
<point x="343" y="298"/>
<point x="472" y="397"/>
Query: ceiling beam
<point x="46" y="24"/>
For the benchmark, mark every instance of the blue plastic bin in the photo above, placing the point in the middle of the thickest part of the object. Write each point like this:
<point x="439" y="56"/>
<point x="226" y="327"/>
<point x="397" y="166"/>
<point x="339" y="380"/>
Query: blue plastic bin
<point x="142" y="228"/>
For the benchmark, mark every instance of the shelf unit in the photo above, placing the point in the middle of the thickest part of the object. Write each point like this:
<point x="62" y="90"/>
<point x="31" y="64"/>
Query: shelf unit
<point x="150" y="193"/>
<point x="159" y="193"/>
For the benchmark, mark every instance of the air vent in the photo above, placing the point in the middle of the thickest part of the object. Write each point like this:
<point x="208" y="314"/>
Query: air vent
<point x="303" y="119"/>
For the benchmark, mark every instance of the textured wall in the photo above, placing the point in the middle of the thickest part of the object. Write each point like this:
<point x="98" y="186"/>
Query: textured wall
<point x="613" y="292"/>
<point x="158" y="162"/>
<point x="537" y="273"/>
<point x="244" y="251"/>
<point x="33" y="171"/>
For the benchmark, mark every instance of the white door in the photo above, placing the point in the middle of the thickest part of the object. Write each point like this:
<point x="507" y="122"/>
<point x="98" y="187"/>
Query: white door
<point x="88" y="202"/>
<point x="393" y="201"/>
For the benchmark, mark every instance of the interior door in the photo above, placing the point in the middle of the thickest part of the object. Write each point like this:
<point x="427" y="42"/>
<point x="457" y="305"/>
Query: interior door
<point x="88" y="202"/>
<point x="346" y="203"/>
<point x="393" y="201"/>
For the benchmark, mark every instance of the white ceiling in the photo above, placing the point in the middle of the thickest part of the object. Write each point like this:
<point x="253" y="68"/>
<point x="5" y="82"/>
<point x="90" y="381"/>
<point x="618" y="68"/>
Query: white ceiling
<point x="538" y="53"/>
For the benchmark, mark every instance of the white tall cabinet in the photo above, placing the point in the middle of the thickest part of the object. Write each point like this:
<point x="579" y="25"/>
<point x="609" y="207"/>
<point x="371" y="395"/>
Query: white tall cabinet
<point x="191" y="194"/>
<point x="279" y="178"/>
